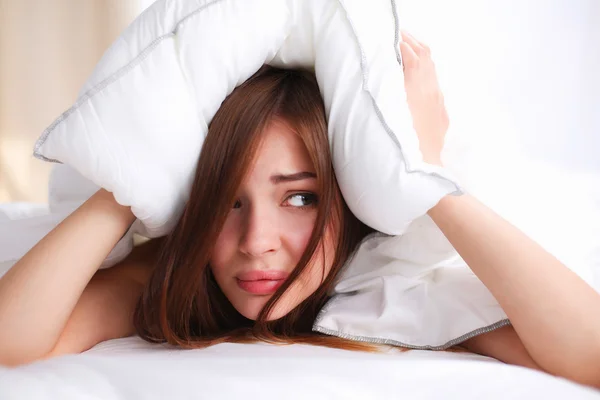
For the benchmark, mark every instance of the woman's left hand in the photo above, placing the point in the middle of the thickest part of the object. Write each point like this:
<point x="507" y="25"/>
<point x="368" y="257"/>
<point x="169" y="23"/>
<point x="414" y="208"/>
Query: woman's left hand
<point x="424" y="97"/>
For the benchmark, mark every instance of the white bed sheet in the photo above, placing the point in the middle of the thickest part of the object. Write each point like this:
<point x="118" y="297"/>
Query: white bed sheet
<point x="133" y="369"/>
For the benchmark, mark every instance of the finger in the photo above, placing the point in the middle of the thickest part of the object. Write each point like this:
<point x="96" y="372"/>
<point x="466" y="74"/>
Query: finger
<point x="417" y="47"/>
<point x="409" y="57"/>
<point x="423" y="45"/>
<point x="412" y="42"/>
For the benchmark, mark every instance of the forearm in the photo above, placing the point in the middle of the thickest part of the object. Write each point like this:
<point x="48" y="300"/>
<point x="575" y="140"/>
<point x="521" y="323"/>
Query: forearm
<point x="38" y="294"/>
<point x="553" y="311"/>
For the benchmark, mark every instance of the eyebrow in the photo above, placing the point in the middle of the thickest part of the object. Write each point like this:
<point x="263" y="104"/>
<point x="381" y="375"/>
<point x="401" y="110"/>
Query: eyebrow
<point x="280" y="178"/>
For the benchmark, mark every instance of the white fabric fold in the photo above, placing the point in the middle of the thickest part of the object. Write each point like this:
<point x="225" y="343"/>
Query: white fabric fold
<point x="412" y="290"/>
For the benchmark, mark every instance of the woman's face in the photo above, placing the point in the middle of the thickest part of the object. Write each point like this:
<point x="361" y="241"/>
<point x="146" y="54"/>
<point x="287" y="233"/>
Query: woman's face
<point x="268" y="229"/>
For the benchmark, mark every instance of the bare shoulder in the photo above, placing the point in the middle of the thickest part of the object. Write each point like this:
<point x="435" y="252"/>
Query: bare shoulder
<point x="106" y="306"/>
<point x="502" y="344"/>
<point x="138" y="265"/>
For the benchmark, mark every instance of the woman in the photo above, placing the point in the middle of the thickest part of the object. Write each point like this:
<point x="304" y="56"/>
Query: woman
<point x="262" y="239"/>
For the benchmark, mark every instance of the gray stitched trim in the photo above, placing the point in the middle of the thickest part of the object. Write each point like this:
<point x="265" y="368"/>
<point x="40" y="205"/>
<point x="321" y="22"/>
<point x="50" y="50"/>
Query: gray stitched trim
<point x="396" y="34"/>
<point x="109" y="80"/>
<point x="376" y="340"/>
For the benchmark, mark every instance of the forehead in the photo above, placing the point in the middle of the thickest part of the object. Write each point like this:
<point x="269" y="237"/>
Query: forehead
<point x="282" y="151"/>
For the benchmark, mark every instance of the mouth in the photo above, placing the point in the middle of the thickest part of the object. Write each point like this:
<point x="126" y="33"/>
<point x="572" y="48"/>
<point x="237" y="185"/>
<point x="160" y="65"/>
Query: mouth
<point x="261" y="286"/>
<point x="261" y="282"/>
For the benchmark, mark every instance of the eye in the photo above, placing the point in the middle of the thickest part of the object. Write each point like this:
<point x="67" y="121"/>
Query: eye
<point x="237" y="204"/>
<point x="302" y="200"/>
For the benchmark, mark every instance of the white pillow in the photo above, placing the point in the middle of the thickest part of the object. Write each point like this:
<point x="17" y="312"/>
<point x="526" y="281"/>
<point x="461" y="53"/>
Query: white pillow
<point x="139" y="123"/>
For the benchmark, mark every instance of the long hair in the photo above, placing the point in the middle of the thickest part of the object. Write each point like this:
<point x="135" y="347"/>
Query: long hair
<point x="182" y="303"/>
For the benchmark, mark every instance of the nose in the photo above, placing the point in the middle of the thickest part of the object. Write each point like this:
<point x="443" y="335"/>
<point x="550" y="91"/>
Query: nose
<point x="260" y="233"/>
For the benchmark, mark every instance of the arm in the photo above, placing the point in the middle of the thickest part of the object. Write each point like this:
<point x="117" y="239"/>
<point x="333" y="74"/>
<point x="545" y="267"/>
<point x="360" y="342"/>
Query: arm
<point x="504" y="345"/>
<point x="39" y="293"/>
<point x="552" y="310"/>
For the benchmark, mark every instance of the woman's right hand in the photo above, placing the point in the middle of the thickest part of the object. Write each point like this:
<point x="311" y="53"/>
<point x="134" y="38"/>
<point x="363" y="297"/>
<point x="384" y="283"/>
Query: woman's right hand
<point x="424" y="97"/>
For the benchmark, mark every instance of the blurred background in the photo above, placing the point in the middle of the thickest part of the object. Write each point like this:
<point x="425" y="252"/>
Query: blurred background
<point x="518" y="75"/>
<point x="48" y="48"/>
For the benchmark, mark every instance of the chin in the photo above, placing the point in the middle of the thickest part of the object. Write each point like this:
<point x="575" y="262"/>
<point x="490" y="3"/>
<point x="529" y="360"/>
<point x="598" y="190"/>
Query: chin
<point x="251" y="308"/>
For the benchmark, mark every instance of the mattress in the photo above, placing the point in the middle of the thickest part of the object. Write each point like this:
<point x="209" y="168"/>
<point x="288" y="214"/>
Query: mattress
<point x="133" y="369"/>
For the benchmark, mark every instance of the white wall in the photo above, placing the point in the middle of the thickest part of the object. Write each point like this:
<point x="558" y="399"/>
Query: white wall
<point x="47" y="50"/>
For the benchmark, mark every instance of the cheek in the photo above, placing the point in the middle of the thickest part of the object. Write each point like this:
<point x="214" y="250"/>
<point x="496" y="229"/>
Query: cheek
<point x="225" y="247"/>
<point x="297" y="235"/>
<point x="323" y="259"/>
<point x="313" y="275"/>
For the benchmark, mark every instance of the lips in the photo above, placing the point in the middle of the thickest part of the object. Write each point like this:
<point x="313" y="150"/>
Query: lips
<point x="261" y="282"/>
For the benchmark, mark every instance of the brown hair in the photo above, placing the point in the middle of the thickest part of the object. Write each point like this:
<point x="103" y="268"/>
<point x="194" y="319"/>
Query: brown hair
<point x="182" y="303"/>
